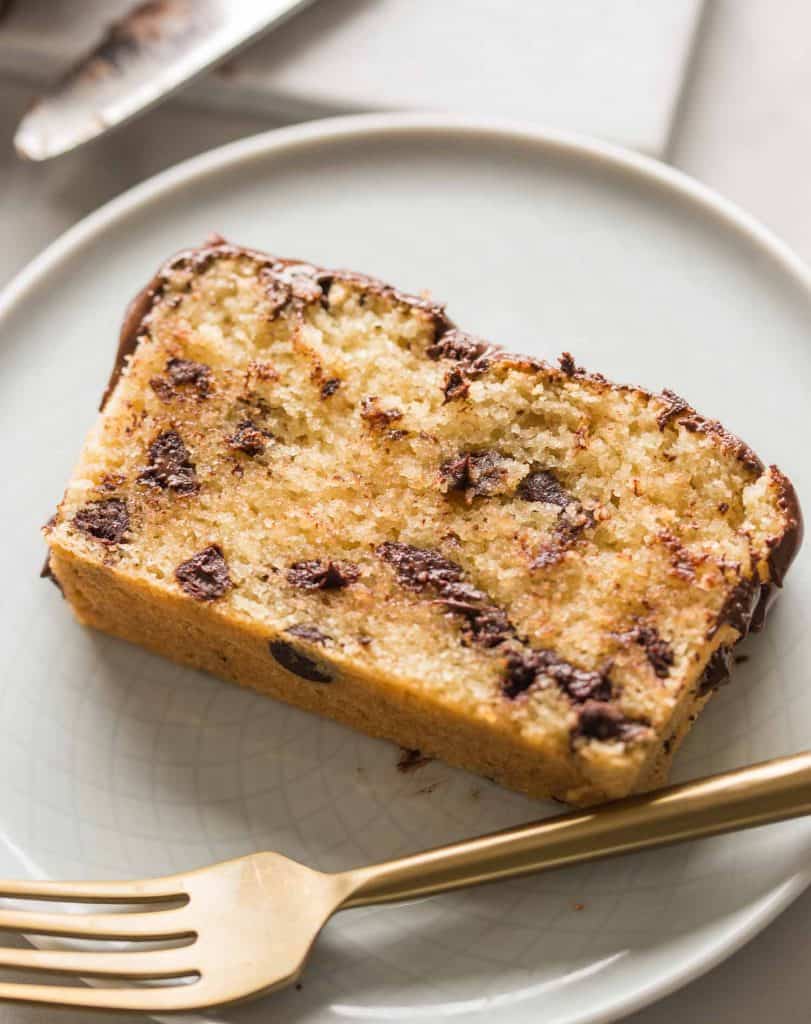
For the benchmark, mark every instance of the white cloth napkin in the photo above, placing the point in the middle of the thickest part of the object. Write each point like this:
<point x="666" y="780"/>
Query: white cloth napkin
<point x="611" y="68"/>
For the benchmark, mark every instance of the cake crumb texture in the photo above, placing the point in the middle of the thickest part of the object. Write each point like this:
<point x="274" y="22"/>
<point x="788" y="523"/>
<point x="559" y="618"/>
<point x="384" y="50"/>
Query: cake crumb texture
<point x="306" y="482"/>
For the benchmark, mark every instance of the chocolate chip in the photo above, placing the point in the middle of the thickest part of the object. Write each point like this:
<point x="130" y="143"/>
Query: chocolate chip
<point x="307" y="632"/>
<point x="186" y="371"/>
<point x="717" y="671"/>
<point x="375" y="416"/>
<point x="454" y="472"/>
<point x="277" y="292"/>
<point x="106" y="520"/>
<point x="524" y="667"/>
<point x="568" y="365"/>
<point x="739" y="608"/>
<point x="521" y="672"/>
<point x="170" y="467"/>
<point x="571" y="523"/>
<point x="682" y="558"/>
<point x="674" y="407"/>
<point x="599" y="720"/>
<point x="204" y="576"/>
<point x="458" y="345"/>
<point x="419" y="568"/>
<point x="395" y="435"/>
<point x="163" y="389"/>
<point x="329" y="387"/>
<point x="325" y="282"/>
<point x="478" y="474"/>
<point x="456" y="385"/>
<point x="658" y="651"/>
<point x="542" y="485"/>
<point x="410" y="760"/>
<point x="297" y="662"/>
<point x="322" y="575"/>
<point x="286" y="281"/>
<point x="487" y="626"/>
<point x="248" y="438"/>
<point x="460" y="593"/>
<point x="580" y="684"/>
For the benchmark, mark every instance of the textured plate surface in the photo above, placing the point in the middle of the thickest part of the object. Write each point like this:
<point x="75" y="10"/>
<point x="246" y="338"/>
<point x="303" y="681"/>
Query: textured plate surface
<point x="116" y="763"/>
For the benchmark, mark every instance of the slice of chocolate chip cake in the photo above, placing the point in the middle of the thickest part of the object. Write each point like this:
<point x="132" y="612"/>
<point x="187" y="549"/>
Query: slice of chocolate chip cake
<point x="306" y="482"/>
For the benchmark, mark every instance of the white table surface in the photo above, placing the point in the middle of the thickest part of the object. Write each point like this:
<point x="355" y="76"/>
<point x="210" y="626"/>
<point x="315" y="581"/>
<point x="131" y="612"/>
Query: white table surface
<point x="742" y="129"/>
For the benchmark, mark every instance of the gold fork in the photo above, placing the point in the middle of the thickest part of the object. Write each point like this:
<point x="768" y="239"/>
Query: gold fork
<point x="246" y="926"/>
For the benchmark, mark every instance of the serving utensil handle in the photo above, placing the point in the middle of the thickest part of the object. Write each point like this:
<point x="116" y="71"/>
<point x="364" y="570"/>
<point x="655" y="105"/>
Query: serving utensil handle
<point x="745" y="798"/>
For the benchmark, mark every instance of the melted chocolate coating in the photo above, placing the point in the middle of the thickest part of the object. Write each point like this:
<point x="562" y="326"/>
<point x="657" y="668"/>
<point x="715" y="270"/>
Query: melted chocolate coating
<point x="47" y="573"/>
<point x="782" y="555"/>
<point x="132" y="329"/>
<point x="739" y="608"/>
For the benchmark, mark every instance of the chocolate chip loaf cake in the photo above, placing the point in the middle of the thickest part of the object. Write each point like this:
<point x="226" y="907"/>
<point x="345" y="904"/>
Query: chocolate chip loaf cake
<point x="309" y="483"/>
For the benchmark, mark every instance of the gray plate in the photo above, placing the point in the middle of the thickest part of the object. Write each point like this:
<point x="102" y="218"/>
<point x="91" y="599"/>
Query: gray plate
<point x="116" y="763"/>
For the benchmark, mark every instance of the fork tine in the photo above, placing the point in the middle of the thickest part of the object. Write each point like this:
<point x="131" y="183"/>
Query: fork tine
<point x="158" y="999"/>
<point x="147" y="964"/>
<point x="152" y="924"/>
<point x="145" y="890"/>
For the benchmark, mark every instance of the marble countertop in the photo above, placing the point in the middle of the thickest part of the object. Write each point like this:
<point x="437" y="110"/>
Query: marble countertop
<point x="741" y="128"/>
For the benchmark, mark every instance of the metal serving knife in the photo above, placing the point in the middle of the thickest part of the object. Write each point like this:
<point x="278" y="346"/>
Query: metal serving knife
<point x="155" y="49"/>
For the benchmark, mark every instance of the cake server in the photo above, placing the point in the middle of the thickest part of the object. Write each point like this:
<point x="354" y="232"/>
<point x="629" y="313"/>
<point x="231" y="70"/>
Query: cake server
<point x="155" y="49"/>
<point x="238" y="929"/>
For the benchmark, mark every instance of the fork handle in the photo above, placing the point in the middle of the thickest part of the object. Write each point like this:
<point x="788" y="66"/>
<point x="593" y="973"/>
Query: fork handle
<point x="757" y="795"/>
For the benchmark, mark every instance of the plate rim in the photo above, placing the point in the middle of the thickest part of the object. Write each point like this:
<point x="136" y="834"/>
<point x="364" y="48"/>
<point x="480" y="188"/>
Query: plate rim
<point x="637" y="168"/>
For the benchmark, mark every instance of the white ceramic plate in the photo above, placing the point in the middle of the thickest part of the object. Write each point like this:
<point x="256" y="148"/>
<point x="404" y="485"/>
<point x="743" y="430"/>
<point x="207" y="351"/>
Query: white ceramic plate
<point x="116" y="763"/>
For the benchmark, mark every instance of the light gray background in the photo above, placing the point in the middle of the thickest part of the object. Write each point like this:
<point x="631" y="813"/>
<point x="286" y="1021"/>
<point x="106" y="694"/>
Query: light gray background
<point x="742" y="129"/>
